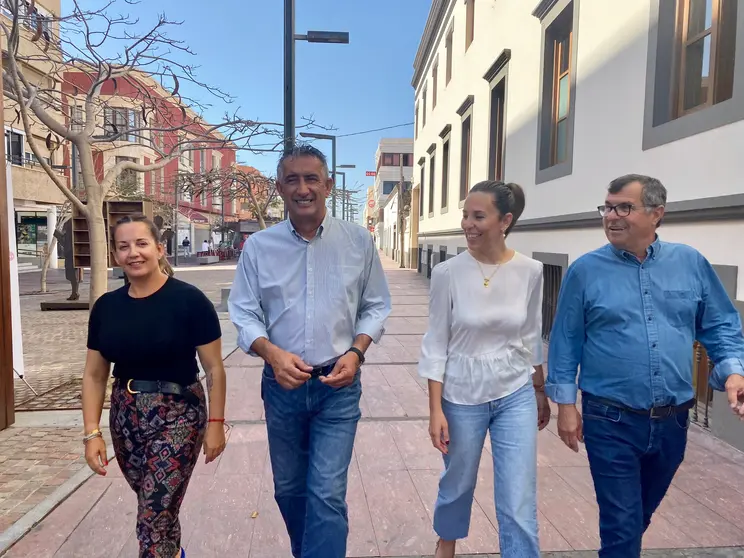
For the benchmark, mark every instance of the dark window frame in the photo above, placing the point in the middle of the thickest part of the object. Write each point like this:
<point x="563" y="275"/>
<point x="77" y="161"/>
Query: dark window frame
<point x="446" y="135"/>
<point x="466" y="146"/>
<point x="422" y="181"/>
<point x="554" y="16"/>
<point x="498" y="79"/>
<point x="448" y="47"/>
<point x="660" y="127"/>
<point x="469" y="23"/>
<point x="432" y="151"/>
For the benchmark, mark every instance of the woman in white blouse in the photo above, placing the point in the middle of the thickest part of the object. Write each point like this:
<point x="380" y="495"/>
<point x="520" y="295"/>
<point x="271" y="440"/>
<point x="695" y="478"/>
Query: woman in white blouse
<point x="482" y="355"/>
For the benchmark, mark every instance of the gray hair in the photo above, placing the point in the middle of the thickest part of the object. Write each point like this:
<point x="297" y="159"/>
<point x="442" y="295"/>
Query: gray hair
<point x="302" y="150"/>
<point x="653" y="193"/>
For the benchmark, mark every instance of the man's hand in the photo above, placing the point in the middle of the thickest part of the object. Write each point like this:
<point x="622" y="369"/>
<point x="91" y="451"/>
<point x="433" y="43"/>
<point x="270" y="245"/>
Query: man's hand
<point x="569" y="426"/>
<point x="543" y="409"/>
<point x="289" y="369"/>
<point x="735" y="392"/>
<point x="343" y="372"/>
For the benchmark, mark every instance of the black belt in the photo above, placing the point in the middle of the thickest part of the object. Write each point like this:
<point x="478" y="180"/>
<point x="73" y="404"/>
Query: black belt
<point x="319" y="371"/>
<point x="167" y="388"/>
<point x="654" y="413"/>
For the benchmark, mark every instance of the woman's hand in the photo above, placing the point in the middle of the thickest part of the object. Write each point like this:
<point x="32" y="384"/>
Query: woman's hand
<point x="214" y="441"/>
<point x="95" y="455"/>
<point x="439" y="430"/>
<point x="543" y="409"/>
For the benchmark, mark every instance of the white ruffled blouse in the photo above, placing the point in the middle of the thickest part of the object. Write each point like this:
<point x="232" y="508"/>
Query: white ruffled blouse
<point x="483" y="342"/>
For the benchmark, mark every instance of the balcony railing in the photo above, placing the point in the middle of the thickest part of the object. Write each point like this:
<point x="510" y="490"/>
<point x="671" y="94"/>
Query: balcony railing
<point x="552" y="277"/>
<point x="701" y="369"/>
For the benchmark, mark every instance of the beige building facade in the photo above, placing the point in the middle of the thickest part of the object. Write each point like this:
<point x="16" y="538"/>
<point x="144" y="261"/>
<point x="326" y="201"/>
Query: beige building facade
<point x="36" y="199"/>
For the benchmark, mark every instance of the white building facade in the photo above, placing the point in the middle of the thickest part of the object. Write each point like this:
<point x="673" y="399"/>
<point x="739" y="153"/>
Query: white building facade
<point x="391" y="152"/>
<point x="561" y="97"/>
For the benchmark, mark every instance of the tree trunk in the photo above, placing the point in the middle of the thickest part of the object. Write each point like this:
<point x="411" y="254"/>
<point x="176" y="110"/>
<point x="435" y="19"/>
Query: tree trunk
<point x="99" y="250"/>
<point x="45" y="265"/>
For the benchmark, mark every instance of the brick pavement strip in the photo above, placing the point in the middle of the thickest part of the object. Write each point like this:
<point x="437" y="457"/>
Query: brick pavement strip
<point x="34" y="462"/>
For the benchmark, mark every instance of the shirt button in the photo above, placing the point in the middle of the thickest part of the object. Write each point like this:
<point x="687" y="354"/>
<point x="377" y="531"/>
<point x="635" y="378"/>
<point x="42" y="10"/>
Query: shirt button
<point x="650" y="318"/>
<point x="653" y="345"/>
<point x="645" y="292"/>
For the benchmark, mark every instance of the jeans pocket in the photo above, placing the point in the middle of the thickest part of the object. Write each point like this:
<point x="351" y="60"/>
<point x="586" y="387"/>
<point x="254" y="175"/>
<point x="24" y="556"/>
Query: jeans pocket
<point x="682" y="420"/>
<point x="599" y="411"/>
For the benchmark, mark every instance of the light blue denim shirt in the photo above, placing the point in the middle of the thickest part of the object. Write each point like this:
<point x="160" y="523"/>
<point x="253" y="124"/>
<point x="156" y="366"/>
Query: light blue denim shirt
<point x="629" y="326"/>
<point x="311" y="298"/>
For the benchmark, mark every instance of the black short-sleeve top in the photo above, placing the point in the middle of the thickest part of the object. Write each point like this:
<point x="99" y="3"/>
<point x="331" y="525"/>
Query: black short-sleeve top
<point x="155" y="337"/>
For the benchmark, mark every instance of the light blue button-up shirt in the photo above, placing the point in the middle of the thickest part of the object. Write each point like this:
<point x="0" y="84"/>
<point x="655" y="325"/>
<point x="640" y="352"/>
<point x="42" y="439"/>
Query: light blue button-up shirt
<point x="630" y="326"/>
<point x="310" y="297"/>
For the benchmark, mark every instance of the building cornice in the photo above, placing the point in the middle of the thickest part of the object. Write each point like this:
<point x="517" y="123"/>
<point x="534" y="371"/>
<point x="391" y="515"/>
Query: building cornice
<point x="718" y="208"/>
<point x="466" y="104"/>
<point x="437" y="14"/>
<point x="543" y="8"/>
<point x="446" y="130"/>
<point x="498" y="65"/>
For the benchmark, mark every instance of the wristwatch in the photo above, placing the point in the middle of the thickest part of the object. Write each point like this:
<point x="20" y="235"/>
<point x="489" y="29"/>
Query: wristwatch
<point x="358" y="353"/>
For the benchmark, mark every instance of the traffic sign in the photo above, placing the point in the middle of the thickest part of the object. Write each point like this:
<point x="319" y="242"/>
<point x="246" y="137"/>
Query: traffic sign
<point x="371" y="204"/>
<point x="371" y="173"/>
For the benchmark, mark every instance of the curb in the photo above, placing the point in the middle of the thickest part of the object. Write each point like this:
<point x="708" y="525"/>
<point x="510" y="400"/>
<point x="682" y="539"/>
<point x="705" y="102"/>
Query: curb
<point x="21" y="528"/>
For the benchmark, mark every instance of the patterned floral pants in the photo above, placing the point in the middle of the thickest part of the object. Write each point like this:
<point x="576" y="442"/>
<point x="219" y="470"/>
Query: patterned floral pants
<point x="157" y="439"/>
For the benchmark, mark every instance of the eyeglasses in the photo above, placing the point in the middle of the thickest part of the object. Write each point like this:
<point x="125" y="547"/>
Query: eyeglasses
<point x="621" y="209"/>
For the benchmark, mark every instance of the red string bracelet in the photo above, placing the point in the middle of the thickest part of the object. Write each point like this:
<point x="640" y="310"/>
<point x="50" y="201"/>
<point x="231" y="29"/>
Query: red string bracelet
<point x="216" y="420"/>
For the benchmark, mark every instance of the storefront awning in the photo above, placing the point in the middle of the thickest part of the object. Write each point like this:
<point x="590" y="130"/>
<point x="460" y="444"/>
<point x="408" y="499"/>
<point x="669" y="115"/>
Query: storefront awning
<point x="193" y="216"/>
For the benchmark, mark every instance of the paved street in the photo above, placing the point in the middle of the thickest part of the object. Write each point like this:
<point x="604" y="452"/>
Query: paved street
<point x="229" y="509"/>
<point x="54" y="342"/>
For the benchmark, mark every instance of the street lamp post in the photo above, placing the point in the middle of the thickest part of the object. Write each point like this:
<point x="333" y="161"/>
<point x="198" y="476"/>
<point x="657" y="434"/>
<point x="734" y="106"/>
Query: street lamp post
<point x="328" y="37"/>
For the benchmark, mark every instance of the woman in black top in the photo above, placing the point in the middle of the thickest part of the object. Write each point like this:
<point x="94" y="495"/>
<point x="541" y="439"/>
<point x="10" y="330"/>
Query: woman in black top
<point x="151" y="330"/>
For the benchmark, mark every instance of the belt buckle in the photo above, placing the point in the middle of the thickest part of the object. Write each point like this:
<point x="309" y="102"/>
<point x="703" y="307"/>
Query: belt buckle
<point x="129" y="387"/>
<point x="657" y="414"/>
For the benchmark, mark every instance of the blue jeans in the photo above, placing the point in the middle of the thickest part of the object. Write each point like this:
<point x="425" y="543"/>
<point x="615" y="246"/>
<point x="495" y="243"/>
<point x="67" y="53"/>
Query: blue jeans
<point x="512" y="422"/>
<point x="633" y="459"/>
<point x="311" y="433"/>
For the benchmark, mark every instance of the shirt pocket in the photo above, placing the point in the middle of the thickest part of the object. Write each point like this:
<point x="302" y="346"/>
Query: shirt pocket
<point x="680" y="307"/>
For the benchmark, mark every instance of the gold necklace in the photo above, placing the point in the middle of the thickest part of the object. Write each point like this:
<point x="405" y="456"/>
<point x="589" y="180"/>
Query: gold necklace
<point x="487" y="280"/>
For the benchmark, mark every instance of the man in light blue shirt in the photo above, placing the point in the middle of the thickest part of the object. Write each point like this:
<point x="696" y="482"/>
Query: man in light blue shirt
<point x="627" y="317"/>
<point x="309" y="297"/>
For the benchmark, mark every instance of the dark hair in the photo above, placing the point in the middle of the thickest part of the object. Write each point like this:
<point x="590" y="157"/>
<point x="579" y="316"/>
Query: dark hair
<point x="507" y="197"/>
<point x="163" y="263"/>
<point x="301" y="150"/>
<point x="653" y="193"/>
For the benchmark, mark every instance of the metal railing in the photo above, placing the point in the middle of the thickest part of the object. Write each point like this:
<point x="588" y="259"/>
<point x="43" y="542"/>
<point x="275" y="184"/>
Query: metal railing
<point x="552" y="277"/>
<point x="702" y="366"/>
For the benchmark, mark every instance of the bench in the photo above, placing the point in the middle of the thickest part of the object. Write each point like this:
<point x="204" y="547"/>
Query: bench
<point x="206" y="260"/>
<point x="64" y="305"/>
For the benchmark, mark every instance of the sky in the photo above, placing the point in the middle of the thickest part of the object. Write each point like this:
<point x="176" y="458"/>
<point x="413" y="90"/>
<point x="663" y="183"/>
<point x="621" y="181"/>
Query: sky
<point x="365" y="85"/>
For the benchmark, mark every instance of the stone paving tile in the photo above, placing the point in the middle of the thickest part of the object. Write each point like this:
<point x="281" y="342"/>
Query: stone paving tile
<point x="33" y="463"/>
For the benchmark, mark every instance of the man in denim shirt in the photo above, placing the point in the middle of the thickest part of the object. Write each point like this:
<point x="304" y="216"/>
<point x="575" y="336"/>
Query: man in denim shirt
<point x="628" y="315"/>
